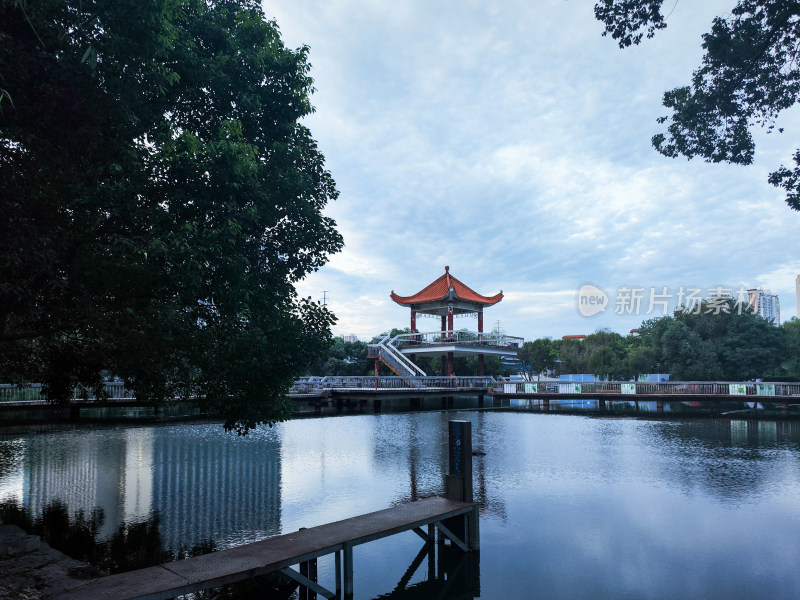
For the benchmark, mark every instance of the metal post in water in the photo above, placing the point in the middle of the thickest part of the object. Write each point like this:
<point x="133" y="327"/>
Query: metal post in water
<point x="458" y="482"/>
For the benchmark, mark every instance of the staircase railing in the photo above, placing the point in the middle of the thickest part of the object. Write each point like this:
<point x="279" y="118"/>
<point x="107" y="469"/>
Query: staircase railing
<point x="393" y="358"/>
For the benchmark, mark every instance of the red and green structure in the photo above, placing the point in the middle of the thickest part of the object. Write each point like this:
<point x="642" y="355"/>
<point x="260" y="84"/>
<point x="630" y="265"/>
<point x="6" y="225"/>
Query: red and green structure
<point x="447" y="298"/>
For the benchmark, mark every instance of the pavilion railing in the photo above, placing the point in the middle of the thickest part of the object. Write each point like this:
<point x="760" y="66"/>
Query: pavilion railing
<point x="474" y="338"/>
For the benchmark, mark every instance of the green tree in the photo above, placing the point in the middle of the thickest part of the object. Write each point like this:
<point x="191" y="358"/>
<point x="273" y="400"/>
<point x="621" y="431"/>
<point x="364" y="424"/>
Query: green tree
<point x="640" y="357"/>
<point x="605" y="353"/>
<point x="571" y="356"/>
<point x="537" y="356"/>
<point x="715" y="341"/>
<point x="160" y="200"/>
<point x="750" y="72"/>
<point x="790" y="367"/>
<point x="343" y="358"/>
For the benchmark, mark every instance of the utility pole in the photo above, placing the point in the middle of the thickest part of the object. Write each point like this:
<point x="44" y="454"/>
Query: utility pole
<point x="324" y="297"/>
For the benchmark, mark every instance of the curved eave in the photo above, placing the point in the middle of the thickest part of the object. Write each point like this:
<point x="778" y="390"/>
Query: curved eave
<point x="420" y="299"/>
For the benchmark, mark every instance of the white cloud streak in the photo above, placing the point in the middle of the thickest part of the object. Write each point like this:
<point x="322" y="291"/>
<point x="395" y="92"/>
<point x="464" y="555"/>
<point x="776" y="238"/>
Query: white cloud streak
<point x="511" y="141"/>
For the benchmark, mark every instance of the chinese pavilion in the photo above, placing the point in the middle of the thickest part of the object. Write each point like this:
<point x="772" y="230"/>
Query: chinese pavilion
<point x="446" y="298"/>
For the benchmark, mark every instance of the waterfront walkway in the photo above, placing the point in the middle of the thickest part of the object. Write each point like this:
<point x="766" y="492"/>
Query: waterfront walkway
<point x="280" y="552"/>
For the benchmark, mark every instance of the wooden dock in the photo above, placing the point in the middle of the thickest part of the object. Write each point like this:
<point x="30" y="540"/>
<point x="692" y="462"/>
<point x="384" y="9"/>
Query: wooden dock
<point x="281" y="552"/>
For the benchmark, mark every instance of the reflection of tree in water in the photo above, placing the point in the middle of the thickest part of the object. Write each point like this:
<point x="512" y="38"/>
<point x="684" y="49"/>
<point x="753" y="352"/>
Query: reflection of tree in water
<point x="134" y="545"/>
<point x="733" y="460"/>
<point x="11" y="453"/>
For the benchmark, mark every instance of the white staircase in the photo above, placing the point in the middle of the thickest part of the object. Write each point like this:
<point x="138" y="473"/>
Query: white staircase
<point x="393" y="358"/>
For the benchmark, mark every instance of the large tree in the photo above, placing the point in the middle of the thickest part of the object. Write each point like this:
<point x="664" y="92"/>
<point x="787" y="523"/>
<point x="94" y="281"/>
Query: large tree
<point x="160" y="199"/>
<point x="537" y="356"/>
<point x="750" y="72"/>
<point x="714" y="341"/>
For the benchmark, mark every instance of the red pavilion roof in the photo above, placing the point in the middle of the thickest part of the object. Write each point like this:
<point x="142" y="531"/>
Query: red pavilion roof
<point x="440" y="288"/>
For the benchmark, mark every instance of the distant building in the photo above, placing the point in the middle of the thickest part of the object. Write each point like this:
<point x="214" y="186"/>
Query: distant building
<point x="573" y="337"/>
<point x="349" y="338"/>
<point x="765" y="304"/>
<point x="797" y="295"/>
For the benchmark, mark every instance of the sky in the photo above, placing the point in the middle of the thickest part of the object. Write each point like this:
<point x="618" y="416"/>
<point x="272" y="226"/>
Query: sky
<point x="511" y="141"/>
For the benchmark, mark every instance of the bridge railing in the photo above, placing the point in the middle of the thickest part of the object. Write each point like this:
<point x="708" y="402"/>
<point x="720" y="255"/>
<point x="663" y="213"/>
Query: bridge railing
<point x="34" y="392"/>
<point x="644" y="388"/>
<point x="316" y="385"/>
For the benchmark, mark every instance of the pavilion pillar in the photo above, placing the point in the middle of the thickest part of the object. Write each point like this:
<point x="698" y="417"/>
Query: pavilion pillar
<point x="480" y="324"/>
<point x="444" y="326"/>
<point x="450" y="364"/>
<point x="450" y="319"/>
<point x="480" y="365"/>
<point x="413" y="321"/>
<point x="377" y="367"/>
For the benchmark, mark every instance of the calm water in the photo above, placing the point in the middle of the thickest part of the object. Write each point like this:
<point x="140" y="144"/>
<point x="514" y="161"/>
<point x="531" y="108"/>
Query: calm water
<point x="571" y="506"/>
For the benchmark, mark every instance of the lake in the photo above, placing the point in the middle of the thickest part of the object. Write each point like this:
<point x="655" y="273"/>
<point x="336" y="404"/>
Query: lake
<point x="571" y="506"/>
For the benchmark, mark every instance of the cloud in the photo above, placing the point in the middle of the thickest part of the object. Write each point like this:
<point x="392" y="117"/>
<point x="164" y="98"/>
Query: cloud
<point x="512" y="142"/>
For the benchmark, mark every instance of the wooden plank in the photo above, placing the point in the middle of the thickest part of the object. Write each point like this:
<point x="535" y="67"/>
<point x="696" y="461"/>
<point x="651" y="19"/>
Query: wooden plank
<point x="273" y="554"/>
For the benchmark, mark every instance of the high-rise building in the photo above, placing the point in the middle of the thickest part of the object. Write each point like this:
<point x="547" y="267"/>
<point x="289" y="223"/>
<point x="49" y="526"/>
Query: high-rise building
<point x="797" y="295"/>
<point x="765" y="304"/>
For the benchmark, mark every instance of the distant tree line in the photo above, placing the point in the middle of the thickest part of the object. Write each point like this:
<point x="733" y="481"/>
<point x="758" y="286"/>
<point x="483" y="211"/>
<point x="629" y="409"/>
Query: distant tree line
<point x="705" y="344"/>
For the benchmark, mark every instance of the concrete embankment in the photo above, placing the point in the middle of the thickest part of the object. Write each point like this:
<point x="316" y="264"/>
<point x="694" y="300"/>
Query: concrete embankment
<point x="32" y="570"/>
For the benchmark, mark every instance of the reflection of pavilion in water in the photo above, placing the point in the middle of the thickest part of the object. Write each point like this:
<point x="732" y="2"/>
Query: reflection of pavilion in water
<point x="204" y="487"/>
<point x="424" y="446"/>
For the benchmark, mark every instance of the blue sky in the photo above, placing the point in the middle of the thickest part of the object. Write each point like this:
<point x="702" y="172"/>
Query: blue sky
<point x="511" y="141"/>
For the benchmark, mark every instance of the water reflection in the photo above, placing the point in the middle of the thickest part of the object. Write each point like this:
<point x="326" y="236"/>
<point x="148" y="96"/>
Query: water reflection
<point x="571" y="506"/>
<point x="451" y="574"/>
<point x="205" y="485"/>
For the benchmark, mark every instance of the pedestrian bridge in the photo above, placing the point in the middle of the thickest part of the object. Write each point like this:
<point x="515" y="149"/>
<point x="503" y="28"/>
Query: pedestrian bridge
<point x="319" y="386"/>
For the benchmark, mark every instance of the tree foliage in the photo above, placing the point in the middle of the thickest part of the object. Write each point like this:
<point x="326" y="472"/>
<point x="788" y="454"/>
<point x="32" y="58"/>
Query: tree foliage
<point x="712" y="342"/>
<point x="703" y="345"/>
<point x="537" y="356"/>
<point x="343" y="358"/>
<point x="749" y="74"/>
<point x="160" y="200"/>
